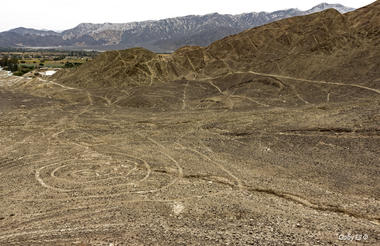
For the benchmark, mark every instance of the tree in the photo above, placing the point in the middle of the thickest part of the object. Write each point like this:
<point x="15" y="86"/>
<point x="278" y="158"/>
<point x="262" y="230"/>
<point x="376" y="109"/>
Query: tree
<point x="4" y="61"/>
<point x="69" y="65"/>
<point x="13" y="64"/>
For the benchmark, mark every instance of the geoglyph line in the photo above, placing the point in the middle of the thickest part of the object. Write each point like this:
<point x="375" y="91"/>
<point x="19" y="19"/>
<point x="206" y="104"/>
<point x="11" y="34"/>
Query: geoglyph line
<point x="90" y="228"/>
<point x="312" y="81"/>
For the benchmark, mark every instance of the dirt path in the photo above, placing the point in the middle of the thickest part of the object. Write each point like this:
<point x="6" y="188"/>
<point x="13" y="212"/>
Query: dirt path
<point x="313" y="81"/>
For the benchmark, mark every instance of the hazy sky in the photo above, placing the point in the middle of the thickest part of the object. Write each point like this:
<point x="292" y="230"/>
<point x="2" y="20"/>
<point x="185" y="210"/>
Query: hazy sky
<point x="65" y="14"/>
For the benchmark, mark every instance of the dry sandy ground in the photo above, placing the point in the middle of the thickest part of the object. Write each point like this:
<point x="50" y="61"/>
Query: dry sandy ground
<point x="82" y="170"/>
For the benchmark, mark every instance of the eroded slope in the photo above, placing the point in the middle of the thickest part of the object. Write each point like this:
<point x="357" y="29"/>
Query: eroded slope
<point x="321" y="46"/>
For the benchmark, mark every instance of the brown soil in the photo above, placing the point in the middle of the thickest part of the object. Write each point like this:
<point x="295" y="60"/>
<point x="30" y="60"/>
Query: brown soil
<point x="247" y="159"/>
<point x="248" y="156"/>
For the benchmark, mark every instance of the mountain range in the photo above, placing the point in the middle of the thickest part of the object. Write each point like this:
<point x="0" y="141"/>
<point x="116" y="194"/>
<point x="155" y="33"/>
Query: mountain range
<point x="164" y="35"/>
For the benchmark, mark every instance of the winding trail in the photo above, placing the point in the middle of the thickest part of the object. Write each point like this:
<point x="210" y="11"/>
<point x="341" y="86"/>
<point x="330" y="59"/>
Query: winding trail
<point x="184" y="96"/>
<point x="311" y="81"/>
<point x="291" y="78"/>
<point x="238" y="181"/>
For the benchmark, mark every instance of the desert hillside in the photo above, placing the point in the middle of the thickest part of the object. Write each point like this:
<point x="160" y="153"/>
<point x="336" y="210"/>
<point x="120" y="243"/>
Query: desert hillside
<point x="267" y="137"/>
<point x="320" y="46"/>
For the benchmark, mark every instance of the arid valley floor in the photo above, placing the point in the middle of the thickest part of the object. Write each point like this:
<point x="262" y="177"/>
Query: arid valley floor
<point x="77" y="167"/>
<point x="267" y="137"/>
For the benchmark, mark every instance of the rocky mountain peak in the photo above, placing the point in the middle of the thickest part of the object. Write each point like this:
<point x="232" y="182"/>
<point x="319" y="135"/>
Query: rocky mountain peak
<point x="164" y="35"/>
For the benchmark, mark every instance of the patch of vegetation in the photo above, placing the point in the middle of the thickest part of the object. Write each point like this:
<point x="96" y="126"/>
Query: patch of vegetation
<point x="9" y="63"/>
<point x="21" y="61"/>
<point x="72" y="64"/>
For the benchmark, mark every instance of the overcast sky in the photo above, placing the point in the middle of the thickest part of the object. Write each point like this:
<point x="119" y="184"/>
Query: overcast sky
<point x="65" y="14"/>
